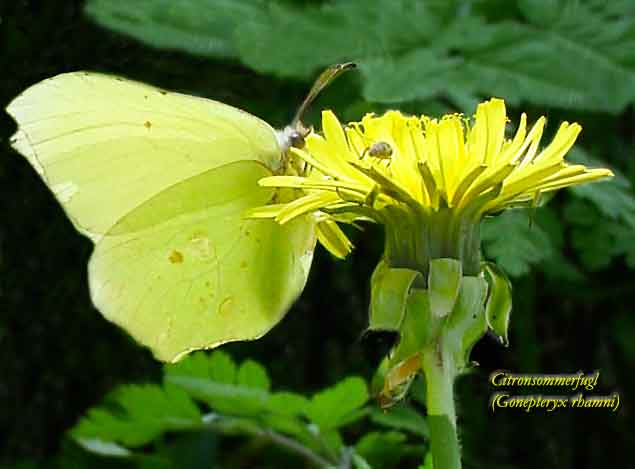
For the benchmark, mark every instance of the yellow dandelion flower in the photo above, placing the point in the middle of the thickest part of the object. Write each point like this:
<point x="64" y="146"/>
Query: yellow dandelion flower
<point x="429" y="181"/>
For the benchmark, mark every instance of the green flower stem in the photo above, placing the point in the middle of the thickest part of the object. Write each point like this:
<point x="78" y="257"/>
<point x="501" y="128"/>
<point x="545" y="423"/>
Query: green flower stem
<point x="439" y="371"/>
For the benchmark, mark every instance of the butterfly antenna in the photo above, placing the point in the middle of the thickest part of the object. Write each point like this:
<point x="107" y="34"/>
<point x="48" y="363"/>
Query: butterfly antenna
<point x="325" y="78"/>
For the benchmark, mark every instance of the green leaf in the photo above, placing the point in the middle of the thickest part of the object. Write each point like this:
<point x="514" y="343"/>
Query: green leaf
<point x="513" y="243"/>
<point x="409" y="51"/>
<point x="570" y="73"/>
<point x="444" y="280"/>
<point x="382" y="449"/>
<point x="253" y="375"/>
<point x="418" y="74"/>
<point x="598" y="240"/>
<point x="499" y="301"/>
<point x="227" y="398"/>
<point x="289" y="426"/>
<point x="332" y="407"/>
<point x="136" y="415"/>
<point x="359" y="462"/>
<point x="332" y="440"/>
<point x="215" y="379"/>
<point x="402" y="417"/>
<point x="557" y="267"/>
<point x="222" y="368"/>
<point x="194" y="365"/>
<point x="613" y="197"/>
<point x="602" y="36"/>
<point x="103" y="448"/>
<point x="203" y="28"/>
<point x="288" y="403"/>
<point x="475" y="57"/>
<point x="358" y="25"/>
<point x="389" y="288"/>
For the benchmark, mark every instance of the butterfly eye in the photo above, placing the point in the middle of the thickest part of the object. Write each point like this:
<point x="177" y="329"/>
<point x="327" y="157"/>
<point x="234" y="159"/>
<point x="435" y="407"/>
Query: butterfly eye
<point x="296" y="139"/>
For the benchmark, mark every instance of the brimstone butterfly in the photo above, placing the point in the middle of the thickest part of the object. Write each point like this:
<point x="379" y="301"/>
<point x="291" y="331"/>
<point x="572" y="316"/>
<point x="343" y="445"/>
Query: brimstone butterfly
<point x="159" y="181"/>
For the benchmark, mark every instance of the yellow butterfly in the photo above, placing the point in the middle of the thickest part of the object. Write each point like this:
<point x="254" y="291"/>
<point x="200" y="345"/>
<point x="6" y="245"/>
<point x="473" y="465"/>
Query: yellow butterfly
<point x="159" y="182"/>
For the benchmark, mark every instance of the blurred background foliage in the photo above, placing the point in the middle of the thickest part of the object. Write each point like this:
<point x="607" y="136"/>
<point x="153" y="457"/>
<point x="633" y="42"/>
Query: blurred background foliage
<point x="571" y="262"/>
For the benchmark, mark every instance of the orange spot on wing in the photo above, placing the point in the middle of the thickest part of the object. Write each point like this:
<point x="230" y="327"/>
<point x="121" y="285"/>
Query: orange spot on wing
<point x="147" y="124"/>
<point x="176" y="257"/>
<point x="226" y="307"/>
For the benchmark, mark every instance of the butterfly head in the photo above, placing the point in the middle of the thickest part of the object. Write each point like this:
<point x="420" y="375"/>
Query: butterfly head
<point x="292" y="136"/>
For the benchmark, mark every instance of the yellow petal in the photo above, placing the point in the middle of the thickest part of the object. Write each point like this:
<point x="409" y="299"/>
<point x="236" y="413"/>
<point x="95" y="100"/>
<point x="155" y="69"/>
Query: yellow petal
<point x="333" y="239"/>
<point x="266" y="211"/>
<point x="305" y="204"/>
<point x="561" y="144"/>
<point x="512" y="147"/>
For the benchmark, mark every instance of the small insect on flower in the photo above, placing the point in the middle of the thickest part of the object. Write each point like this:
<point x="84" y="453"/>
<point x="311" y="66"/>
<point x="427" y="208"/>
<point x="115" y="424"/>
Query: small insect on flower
<point x="431" y="172"/>
<point x="381" y="150"/>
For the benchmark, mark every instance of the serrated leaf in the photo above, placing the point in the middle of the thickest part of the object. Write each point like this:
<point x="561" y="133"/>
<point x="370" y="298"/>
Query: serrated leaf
<point x="253" y="375"/>
<point x="557" y="268"/>
<point x="288" y="403"/>
<point x="418" y="74"/>
<point x="577" y="57"/>
<point x="194" y="365"/>
<point x="138" y="414"/>
<point x="598" y="240"/>
<point x="590" y="235"/>
<point x="222" y="368"/>
<point x="215" y="379"/>
<point x="289" y="426"/>
<point x="613" y="197"/>
<point x="203" y="28"/>
<point x="332" y="32"/>
<point x="602" y="34"/>
<point x="330" y="408"/>
<point x="227" y="398"/>
<point x="513" y="244"/>
<point x="472" y="57"/>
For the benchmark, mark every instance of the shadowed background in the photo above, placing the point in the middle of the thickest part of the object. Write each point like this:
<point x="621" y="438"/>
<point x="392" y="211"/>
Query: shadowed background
<point x="572" y="269"/>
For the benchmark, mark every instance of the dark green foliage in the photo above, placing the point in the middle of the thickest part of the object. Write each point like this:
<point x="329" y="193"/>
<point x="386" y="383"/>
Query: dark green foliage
<point x="552" y="53"/>
<point x="237" y="401"/>
<point x="571" y="262"/>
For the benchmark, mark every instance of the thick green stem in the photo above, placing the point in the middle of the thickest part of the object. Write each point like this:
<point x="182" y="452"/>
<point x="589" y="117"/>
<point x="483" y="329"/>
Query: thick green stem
<point x="439" y="371"/>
